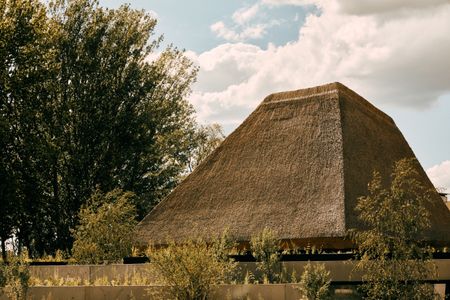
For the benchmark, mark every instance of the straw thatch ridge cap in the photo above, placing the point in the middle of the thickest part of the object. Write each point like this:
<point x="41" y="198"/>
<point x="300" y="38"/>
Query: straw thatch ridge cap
<point x="304" y="93"/>
<point x="335" y="88"/>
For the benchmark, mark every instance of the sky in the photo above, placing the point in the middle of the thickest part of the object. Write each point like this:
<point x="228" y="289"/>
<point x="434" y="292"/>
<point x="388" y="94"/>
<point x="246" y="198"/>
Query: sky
<point x="394" y="53"/>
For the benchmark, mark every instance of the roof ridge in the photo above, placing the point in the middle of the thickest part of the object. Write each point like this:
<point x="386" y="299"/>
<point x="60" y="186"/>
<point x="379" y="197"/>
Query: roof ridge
<point x="305" y="92"/>
<point x="323" y="90"/>
<point x="302" y="97"/>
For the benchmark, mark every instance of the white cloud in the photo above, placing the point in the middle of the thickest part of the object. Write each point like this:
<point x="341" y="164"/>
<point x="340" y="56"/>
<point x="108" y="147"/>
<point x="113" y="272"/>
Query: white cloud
<point x="249" y="32"/>
<point x="440" y="175"/>
<point x="226" y="65"/>
<point x="289" y="2"/>
<point x="361" y="6"/>
<point x="385" y="6"/>
<point x="245" y="14"/>
<point x="248" y="23"/>
<point x="221" y="30"/>
<point x="401" y="60"/>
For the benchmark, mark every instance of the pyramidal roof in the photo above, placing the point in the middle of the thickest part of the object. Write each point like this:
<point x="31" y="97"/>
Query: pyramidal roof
<point x="296" y="165"/>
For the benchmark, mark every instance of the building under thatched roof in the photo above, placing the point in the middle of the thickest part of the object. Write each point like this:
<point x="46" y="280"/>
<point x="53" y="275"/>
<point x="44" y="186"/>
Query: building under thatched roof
<point x="297" y="165"/>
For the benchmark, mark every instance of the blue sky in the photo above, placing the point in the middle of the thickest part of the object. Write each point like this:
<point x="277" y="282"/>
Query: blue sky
<point x="393" y="53"/>
<point x="186" y="24"/>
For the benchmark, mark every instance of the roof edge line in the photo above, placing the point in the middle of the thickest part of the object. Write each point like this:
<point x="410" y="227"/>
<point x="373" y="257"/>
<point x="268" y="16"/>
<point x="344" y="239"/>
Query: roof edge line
<point x="369" y="106"/>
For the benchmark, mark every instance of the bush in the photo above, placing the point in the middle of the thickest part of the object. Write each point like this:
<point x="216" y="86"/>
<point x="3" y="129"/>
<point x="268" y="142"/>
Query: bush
<point x="191" y="269"/>
<point x="2" y="276"/>
<point x="264" y="248"/>
<point x="15" y="276"/>
<point x="315" y="282"/>
<point x="105" y="230"/>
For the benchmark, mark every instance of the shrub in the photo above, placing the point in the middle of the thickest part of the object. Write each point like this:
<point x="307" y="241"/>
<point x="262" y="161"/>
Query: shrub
<point x="15" y="276"/>
<point x="192" y="268"/>
<point x="315" y="282"/>
<point x="105" y="230"/>
<point x="264" y="248"/>
<point x="2" y="276"/>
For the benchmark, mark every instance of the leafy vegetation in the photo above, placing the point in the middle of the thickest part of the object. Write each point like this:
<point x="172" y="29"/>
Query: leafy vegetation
<point x="264" y="248"/>
<point x="192" y="268"/>
<point x="315" y="282"/>
<point x="112" y="279"/>
<point x="207" y="138"/>
<point x="105" y="230"/>
<point x="15" y="277"/>
<point x="394" y="259"/>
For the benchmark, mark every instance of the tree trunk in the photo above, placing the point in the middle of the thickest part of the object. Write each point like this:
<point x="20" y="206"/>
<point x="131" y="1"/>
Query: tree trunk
<point x="3" y="242"/>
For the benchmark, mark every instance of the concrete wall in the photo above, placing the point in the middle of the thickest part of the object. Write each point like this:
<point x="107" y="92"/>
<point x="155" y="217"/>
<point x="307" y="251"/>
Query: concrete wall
<point x="340" y="271"/>
<point x="232" y="292"/>
<point x="93" y="293"/>
<point x="222" y="292"/>
<point x="89" y="274"/>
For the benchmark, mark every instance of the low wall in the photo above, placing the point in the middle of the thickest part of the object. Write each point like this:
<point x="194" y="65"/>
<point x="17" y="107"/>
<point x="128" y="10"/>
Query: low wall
<point x="232" y="292"/>
<point x="341" y="271"/>
<point x="97" y="282"/>
<point x="90" y="293"/>
<point x="221" y="292"/>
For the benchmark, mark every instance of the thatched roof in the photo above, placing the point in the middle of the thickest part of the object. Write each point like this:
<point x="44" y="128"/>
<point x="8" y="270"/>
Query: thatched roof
<point x="297" y="165"/>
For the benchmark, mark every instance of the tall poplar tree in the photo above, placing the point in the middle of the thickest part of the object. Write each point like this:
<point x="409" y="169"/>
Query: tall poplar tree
<point x="83" y="107"/>
<point x="26" y="59"/>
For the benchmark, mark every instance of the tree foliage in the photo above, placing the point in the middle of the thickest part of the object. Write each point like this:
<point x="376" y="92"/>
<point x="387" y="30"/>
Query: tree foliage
<point x="105" y="231"/>
<point x="264" y="247"/>
<point x="26" y="59"/>
<point x="207" y="138"/>
<point x="83" y="107"/>
<point x="394" y="258"/>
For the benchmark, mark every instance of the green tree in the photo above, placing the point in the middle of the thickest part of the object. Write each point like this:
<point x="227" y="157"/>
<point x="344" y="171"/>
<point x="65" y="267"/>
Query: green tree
<point x="7" y="191"/>
<point x="264" y="247"/>
<point x="26" y="56"/>
<point x="82" y="106"/>
<point x="207" y="138"/>
<point x="125" y="120"/>
<point x="105" y="230"/>
<point x="394" y="258"/>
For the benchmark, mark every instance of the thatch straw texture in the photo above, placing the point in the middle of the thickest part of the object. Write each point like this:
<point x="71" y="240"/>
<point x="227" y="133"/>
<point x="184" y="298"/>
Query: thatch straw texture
<point x="297" y="165"/>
